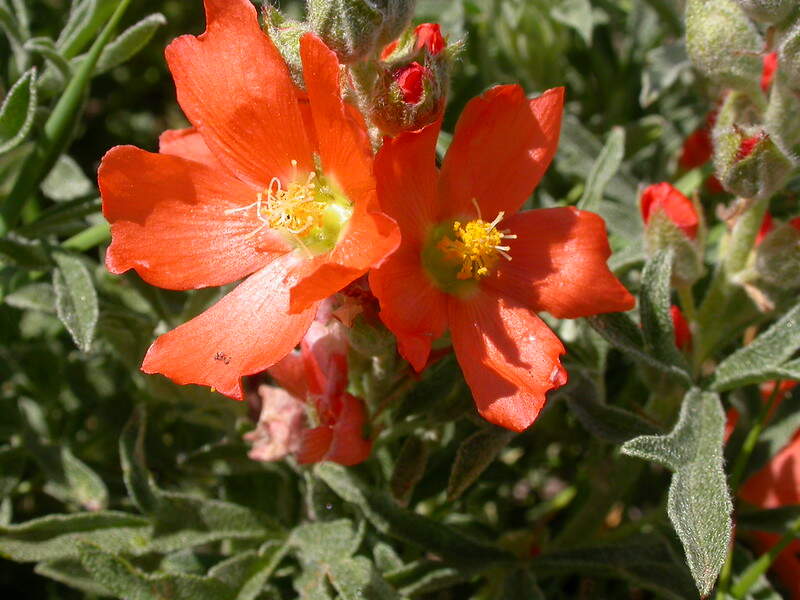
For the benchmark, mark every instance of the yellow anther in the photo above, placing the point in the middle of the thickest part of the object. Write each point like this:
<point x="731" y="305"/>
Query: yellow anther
<point x="477" y="246"/>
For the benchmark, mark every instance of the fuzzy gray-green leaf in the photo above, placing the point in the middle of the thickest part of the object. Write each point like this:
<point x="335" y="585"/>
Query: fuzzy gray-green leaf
<point x="66" y="181"/>
<point x="129" y="42"/>
<point x="76" y="299"/>
<point x="698" y="502"/>
<point x="761" y="360"/>
<point x="604" y="168"/>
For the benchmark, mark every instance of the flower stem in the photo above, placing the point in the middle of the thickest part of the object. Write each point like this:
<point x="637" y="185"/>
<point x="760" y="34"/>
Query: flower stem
<point x="752" y="438"/>
<point x="58" y="128"/>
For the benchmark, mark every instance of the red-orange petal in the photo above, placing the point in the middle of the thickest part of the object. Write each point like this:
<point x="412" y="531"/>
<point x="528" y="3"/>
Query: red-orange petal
<point x="370" y="237"/>
<point x="509" y="356"/>
<point x="188" y="144"/>
<point x="558" y="264"/>
<point x="411" y="306"/>
<point x="348" y="445"/>
<point x="502" y="146"/>
<point x="344" y="147"/>
<point x="290" y="373"/>
<point x="407" y="176"/>
<point x="235" y="88"/>
<point x="244" y="333"/>
<point x="170" y="221"/>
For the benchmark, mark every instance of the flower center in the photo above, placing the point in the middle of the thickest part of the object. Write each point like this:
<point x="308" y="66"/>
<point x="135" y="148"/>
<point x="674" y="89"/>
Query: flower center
<point x="311" y="213"/>
<point x="476" y="245"/>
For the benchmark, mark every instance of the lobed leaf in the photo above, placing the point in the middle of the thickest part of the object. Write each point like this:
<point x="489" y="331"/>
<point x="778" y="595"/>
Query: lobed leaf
<point x="698" y="502"/>
<point x="764" y="358"/>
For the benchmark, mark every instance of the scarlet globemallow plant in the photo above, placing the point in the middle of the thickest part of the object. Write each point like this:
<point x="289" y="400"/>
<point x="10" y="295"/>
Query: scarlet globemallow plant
<point x="471" y="263"/>
<point x="272" y="183"/>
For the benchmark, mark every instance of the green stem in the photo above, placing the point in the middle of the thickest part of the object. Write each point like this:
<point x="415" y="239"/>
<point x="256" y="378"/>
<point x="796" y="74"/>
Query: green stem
<point x="743" y="237"/>
<point x="760" y="566"/>
<point x="88" y="238"/>
<point x="752" y="439"/>
<point x="57" y="129"/>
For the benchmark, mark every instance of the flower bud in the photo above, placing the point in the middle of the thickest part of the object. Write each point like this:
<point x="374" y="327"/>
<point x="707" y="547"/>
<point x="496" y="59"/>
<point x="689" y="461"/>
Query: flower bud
<point x="356" y="29"/>
<point x="285" y="34"/>
<point x="748" y="163"/>
<point x="778" y="256"/>
<point x="672" y="221"/>
<point x="413" y="80"/>
<point x="723" y="43"/>
<point x="697" y="148"/>
<point x="767" y="11"/>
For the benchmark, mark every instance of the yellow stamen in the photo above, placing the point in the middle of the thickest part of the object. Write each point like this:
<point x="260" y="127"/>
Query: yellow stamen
<point x="477" y="246"/>
<point x="301" y="210"/>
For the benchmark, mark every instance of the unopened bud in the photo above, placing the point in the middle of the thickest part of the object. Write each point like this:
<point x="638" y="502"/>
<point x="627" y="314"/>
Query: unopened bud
<point x="769" y="66"/>
<point x="672" y="221"/>
<point x="285" y="34"/>
<point x="767" y="11"/>
<point x="723" y="43"/>
<point x="748" y="162"/>
<point x="413" y="82"/>
<point x="778" y="256"/>
<point x="357" y="29"/>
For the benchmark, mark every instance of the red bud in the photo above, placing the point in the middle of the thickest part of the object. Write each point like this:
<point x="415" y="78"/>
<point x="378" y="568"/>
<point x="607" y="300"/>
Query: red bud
<point x="683" y="335"/>
<point x="677" y="207"/>
<point x="429" y="35"/>
<point x="768" y="72"/>
<point x="410" y="81"/>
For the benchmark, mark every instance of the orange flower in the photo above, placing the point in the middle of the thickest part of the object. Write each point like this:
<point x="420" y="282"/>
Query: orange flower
<point x="461" y="230"/>
<point x="272" y="184"/>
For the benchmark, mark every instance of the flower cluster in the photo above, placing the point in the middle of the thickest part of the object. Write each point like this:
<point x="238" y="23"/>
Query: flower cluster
<point x="277" y="186"/>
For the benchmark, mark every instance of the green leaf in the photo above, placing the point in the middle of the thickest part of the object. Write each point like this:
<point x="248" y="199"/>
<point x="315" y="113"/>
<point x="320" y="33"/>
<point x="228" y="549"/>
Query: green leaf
<point x="249" y="571"/>
<point x="123" y="579"/>
<point x="409" y="468"/>
<point x="474" y="455"/>
<point x="698" y="502"/>
<point x="427" y="576"/>
<point x="576" y="14"/>
<point x="664" y="65"/>
<point x="326" y="542"/>
<point x="608" y="423"/>
<point x="402" y="524"/>
<point x="181" y="520"/>
<point x="645" y="561"/>
<point x="18" y="111"/>
<point x="129" y="42"/>
<point x="622" y="333"/>
<point x="659" y="331"/>
<point x="34" y="296"/>
<point x="55" y="537"/>
<point x="66" y="181"/>
<point x="85" y="19"/>
<point x="76" y="299"/>
<point x="604" y="168"/>
<point x="356" y="579"/>
<point x="763" y="358"/>
<point x="70" y="571"/>
<point x="46" y="48"/>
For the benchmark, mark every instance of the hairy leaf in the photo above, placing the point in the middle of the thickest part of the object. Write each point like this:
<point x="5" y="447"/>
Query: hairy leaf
<point x="698" y="502"/>
<point x="474" y="455"/>
<point x="604" y="168"/>
<point x="76" y="299"/>
<point x="66" y="181"/>
<point x="18" y="111"/>
<point x="762" y="359"/>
